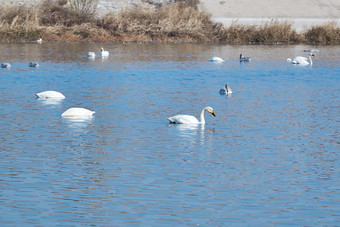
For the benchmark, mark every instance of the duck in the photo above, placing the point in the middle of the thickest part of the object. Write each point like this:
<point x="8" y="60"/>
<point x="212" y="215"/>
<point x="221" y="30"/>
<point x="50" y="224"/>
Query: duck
<point x="188" y="119"/>
<point x="78" y="112"/>
<point x="33" y="64"/>
<point x="6" y="65"/>
<point x="244" y="59"/>
<point x="225" y="91"/>
<point x="91" y="55"/>
<point x="302" y="60"/>
<point x="104" y="53"/>
<point x="50" y="95"/>
<point x="216" y="59"/>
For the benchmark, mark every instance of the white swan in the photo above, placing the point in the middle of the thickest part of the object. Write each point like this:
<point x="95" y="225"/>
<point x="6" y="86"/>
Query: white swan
<point x="50" y="95"/>
<point x="104" y="53"/>
<point x="226" y="90"/>
<point x="188" y="119"/>
<point x="244" y="59"/>
<point x="91" y="55"/>
<point x="6" y="65"/>
<point x="216" y="59"/>
<point x="78" y="112"/>
<point x="33" y="64"/>
<point x="302" y="60"/>
<point x="39" y="40"/>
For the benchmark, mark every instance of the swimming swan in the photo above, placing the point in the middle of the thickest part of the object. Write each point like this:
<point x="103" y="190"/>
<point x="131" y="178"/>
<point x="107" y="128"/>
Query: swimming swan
<point x="104" y="53"/>
<point x="91" y="55"/>
<point x="78" y="112"/>
<point x="302" y="60"/>
<point x="39" y="40"/>
<point x="50" y="95"/>
<point x="244" y="59"/>
<point x="188" y="119"/>
<point x="6" y="65"/>
<point x="216" y="59"/>
<point x="33" y="64"/>
<point x="226" y="90"/>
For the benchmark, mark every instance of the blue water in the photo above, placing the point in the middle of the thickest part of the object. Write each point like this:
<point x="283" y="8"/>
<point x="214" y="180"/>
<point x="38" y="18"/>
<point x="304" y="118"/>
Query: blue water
<point x="270" y="157"/>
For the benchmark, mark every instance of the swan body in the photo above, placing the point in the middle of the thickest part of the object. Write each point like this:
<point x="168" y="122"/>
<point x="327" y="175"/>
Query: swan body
<point x="301" y="60"/>
<point x="188" y="119"/>
<point x="216" y="59"/>
<point x="91" y="55"/>
<point x="104" y="53"/>
<point x="39" y="40"/>
<point x="33" y="64"/>
<point x="6" y="65"/>
<point x="77" y="112"/>
<point x="226" y="90"/>
<point x="50" y="95"/>
<point x="244" y="59"/>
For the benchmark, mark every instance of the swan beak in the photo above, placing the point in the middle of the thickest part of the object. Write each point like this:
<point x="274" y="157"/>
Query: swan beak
<point x="213" y="114"/>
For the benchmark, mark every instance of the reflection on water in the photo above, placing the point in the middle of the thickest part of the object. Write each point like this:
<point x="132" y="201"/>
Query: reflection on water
<point x="269" y="156"/>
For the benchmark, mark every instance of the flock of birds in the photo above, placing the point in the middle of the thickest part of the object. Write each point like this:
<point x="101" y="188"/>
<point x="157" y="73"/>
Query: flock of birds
<point x="79" y="112"/>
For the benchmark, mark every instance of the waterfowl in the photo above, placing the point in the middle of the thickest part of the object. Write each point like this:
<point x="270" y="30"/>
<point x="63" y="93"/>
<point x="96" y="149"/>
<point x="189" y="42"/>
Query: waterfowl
<point x="39" y="40"/>
<point x="226" y="90"/>
<point x="311" y="50"/>
<point x="77" y="112"/>
<point x="50" y="94"/>
<point x="244" y="59"/>
<point x="6" y="65"/>
<point x="302" y="60"/>
<point x="216" y="59"/>
<point x="188" y="119"/>
<point x="33" y="64"/>
<point x="104" y="53"/>
<point x="91" y="55"/>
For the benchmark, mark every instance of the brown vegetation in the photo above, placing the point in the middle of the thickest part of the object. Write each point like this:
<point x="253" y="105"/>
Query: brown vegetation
<point x="178" y="22"/>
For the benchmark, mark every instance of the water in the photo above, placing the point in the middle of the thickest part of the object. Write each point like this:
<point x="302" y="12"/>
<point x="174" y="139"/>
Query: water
<point x="270" y="157"/>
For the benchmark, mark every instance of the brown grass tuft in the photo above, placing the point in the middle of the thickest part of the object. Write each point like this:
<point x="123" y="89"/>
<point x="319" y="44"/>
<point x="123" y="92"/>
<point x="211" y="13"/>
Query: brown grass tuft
<point x="328" y="33"/>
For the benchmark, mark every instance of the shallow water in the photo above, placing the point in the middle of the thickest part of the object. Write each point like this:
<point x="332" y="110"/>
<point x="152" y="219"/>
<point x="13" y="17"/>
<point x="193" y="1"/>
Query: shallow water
<point x="270" y="157"/>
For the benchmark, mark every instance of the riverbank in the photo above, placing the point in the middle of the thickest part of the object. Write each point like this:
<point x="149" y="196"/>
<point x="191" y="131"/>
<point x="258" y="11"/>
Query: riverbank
<point x="177" y="22"/>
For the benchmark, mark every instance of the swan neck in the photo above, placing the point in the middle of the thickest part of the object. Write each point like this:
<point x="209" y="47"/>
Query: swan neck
<point x="202" y="117"/>
<point x="310" y="59"/>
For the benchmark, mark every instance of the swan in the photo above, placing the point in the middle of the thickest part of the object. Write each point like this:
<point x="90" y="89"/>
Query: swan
<point x="78" y="112"/>
<point x="216" y="59"/>
<point x="188" y="119"/>
<point x="226" y="90"/>
<point x="91" y="55"/>
<point x="6" y="65"/>
<point x="33" y="64"/>
<point x="302" y="60"/>
<point x="39" y="40"/>
<point x="244" y="59"/>
<point x="50" y="94"/>
<point x="104" y="53"/>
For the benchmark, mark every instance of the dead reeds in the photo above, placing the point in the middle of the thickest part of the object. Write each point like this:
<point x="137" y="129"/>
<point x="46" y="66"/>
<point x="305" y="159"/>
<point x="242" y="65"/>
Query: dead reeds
<point x="181" y="21"/>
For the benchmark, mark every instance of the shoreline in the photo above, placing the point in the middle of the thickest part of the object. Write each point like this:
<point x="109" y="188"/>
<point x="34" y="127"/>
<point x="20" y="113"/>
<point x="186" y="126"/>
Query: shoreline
<point x="299" y="24"/>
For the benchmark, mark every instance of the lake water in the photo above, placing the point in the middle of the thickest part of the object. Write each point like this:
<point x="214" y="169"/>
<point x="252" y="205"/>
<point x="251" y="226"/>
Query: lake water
<point x="270" y="157"/>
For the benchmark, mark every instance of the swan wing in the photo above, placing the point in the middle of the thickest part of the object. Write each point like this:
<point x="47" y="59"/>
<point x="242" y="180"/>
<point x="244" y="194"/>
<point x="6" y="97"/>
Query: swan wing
<point x="217" y="59"/>
<point x="50" y="94"/>
<point x="183" y="119"/>
<point x="77" y="112"/>
<point x="299" y="59"/>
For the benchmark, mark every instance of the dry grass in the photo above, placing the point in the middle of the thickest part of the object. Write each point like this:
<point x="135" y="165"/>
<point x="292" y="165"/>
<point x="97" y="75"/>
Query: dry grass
<point x="178" y="22"/>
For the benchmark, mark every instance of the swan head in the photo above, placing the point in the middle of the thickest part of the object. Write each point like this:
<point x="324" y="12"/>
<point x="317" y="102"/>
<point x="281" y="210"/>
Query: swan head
<point x="102" y="49"/>
<point x="210" y="110"/>
<point x="311" y="54"/>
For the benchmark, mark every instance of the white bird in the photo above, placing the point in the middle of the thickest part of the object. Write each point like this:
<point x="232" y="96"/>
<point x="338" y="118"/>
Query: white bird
<point x="50" y="95"/>
<point x="188" y="119"/>
<point x="78" y="112"/>
<point x="104" y="53"/>
<point x="33" y="64"/>
<point x="6" y="65"/>
<point x="39" y="40"/>
<point x="91" y="55"/>
<point x="216" y="59"/>
<point x="226" y="90"/>
<point x="301" y="60"/>
<point x="244" y="59"/>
